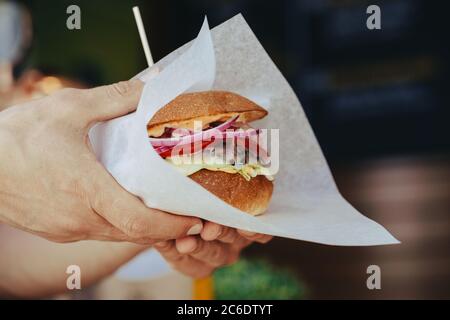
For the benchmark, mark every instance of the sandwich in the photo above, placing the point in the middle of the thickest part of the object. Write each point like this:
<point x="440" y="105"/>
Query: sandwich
<point x="207" y="137"/>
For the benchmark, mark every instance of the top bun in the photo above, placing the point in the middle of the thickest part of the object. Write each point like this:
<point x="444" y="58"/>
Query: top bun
<point x="207" y="106"/>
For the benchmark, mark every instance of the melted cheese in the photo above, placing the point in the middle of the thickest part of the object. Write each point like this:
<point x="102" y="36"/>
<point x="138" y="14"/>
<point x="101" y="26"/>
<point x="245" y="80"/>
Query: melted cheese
<point x="248" y="171"/>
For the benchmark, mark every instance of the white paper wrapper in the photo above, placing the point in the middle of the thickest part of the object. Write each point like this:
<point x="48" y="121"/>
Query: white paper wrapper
<point x="306" y="204"/>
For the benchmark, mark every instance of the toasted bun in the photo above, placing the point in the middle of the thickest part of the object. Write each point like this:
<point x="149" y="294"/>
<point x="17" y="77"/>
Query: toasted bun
<point x="250" y="196"/>
<point x="207" y="106"/>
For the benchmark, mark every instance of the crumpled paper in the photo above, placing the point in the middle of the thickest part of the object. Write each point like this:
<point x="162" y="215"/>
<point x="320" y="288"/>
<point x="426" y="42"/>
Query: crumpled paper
<point x="306" y="203"/>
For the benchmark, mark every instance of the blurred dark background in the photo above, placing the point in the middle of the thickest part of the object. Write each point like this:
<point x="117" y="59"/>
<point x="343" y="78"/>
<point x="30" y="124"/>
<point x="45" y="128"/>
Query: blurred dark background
<point x="378" y="102"/>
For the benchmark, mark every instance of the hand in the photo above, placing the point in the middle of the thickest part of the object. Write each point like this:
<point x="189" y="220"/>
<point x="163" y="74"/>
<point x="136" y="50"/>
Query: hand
<point x="51" y="183"/>
<point x="25" y="89"/>
<point x="199" y="256"/>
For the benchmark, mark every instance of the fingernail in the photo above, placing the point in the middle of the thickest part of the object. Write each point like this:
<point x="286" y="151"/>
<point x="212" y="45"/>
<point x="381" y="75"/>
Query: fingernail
<point x="195" y="230"/>
<point x="212" y="233"/>
<point x="187" y="245"/>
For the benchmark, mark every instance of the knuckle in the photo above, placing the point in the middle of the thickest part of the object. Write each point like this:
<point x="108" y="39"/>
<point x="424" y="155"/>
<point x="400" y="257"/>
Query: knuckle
<point x="136" y="228"/>
<point x="118" y="89"/>
<point x="178" y="224"/>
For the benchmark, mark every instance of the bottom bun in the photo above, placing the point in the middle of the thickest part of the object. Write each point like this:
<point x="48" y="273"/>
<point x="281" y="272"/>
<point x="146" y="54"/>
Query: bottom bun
<point x="250" y="196"/>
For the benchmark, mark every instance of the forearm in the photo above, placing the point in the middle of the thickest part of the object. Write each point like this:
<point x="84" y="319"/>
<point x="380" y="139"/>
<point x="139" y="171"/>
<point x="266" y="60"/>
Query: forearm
<point x="34" y="267"/>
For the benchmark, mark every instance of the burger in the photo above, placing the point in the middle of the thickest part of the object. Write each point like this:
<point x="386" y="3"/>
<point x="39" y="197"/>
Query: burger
<point x="210" y="131"/>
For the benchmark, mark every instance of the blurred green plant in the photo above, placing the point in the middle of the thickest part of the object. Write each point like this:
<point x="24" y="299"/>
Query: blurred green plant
<point x="256" y="279"/>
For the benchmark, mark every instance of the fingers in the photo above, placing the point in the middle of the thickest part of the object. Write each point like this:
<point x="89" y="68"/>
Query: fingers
<point x="183" y="263"/>
<point x="108" y="102"/>
<point x="129" y="214"/>
<point x="213" y="231"/>
<point x="257" y="237"/>
<point x="187" y="245"/>
<point x="216" y="246"/>
<point x="214" y="253"/>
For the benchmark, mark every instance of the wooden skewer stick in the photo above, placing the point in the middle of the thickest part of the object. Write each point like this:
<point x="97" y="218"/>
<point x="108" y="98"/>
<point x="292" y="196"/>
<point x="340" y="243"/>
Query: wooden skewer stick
<point x="143" y="36"/>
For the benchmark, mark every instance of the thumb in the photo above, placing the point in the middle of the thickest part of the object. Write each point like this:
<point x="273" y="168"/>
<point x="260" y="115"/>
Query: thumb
<point x="112" y="101"/>
<point x="130" y="215"/>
